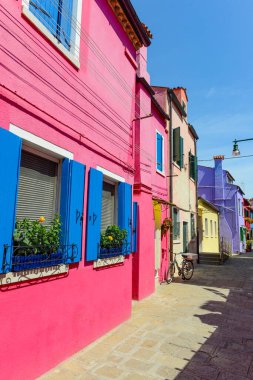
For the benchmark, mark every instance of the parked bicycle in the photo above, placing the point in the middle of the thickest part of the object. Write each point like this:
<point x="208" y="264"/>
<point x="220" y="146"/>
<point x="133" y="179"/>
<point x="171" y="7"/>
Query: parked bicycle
<point x="185" y="270"/>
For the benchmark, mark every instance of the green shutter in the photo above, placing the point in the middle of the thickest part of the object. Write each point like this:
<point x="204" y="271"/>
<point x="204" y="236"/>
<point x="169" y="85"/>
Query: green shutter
<point x="181" y="161"/>
<point x="196" y="168"/>
<point x="176" y="144"/>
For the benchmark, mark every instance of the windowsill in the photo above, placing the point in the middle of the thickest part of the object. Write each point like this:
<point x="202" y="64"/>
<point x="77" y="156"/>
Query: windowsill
<point x="176" y="165"/>
<point x="32" y="274"/>
<point x="108" y="261"/>
<point x="161" y="173"/>
<point x="176" y="241"/>
<point x="33" y="19"/>
<point x="193" y="180"/>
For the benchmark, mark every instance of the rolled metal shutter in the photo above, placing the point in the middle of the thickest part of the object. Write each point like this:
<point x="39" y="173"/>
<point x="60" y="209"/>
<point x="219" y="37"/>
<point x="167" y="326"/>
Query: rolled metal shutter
<point x="108" y="206"/>
<point x="37" y="190"/>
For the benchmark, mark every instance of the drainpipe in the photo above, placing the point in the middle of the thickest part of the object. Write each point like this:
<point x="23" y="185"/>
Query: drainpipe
<point x="170" y="173"/>
<point x="197" y="219"/>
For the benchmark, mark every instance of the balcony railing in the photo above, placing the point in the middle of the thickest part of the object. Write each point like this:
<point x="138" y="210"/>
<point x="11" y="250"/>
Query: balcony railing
<point x="18" y="258"/>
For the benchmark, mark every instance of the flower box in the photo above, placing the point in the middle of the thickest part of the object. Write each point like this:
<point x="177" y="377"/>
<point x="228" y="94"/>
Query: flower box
<point x="21" y="262"/>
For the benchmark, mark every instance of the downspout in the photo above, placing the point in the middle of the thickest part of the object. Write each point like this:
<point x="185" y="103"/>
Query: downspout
<point x="197" y="216"/>
<point x="170" y="173"/>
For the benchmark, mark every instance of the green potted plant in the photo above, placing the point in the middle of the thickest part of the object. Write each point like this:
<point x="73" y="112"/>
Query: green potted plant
<point x="36" y="245"/>
<point x="112" y="240"/>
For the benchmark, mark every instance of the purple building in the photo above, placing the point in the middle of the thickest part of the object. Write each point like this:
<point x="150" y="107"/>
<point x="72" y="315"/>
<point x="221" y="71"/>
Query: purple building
<point x="216" y="185"/>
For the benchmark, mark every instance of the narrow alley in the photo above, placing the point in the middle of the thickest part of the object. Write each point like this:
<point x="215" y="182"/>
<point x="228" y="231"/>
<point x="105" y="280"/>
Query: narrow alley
<point x="201" y="329"/>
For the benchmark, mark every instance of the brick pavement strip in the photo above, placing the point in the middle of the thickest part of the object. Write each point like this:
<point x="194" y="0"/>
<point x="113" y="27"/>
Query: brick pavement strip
<point x="197" y="330"/>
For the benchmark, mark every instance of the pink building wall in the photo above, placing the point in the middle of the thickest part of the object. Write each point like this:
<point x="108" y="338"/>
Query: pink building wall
<point x="149" y="185"/>
<point x="88" y="112"/>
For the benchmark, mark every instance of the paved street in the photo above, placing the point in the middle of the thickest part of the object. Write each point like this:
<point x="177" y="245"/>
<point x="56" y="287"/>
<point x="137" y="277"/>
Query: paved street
<point x="202" y="329"/>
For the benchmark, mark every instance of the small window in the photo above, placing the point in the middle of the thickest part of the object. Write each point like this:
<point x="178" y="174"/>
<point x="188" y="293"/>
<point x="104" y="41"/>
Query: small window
<point x="215" y="228"/>
<point x="109" y="205"/>
<point x="159" y="152"/>
<point x="211" y="228"/>
<point x="38" y="188"/>
<point x="206" y="227"/>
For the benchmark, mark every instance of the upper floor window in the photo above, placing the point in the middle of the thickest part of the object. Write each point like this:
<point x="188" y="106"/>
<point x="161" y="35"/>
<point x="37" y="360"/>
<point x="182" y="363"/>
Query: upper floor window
<point x="159" y="152"/>
<point x="193" y="166"/>
<point x="58" y="20"/>
<point x="178" y="148"/>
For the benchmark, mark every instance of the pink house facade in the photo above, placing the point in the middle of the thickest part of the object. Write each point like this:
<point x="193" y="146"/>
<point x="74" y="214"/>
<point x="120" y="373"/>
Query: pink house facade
<point x="73" y="142"/>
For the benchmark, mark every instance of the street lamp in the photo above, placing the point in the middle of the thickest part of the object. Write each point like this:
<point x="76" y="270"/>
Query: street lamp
<point x="236" y="152"/>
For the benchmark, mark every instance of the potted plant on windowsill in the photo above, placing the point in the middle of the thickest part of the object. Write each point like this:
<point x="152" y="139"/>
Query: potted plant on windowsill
<point x="112" y="241"/>
<point x="36" y="245"/>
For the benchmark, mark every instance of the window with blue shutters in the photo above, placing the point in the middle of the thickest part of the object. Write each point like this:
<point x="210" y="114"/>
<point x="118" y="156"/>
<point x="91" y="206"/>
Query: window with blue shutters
<point x="58" y="21"/>
<point x="56" y="16"/>
<point x="32" y="190"/>
<point x="159" y="152"/>
<point x="109" y="204"/>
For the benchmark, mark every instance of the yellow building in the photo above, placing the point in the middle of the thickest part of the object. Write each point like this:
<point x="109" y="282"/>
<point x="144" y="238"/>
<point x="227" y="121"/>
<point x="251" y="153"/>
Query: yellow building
<point x="208" y="224"/>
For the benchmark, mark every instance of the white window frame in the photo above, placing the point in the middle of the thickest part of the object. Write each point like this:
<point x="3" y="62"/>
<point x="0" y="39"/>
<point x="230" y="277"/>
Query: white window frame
<point x="163" y="161"/>
<point x="74" y="53"/>
<point x="41" y="144"/>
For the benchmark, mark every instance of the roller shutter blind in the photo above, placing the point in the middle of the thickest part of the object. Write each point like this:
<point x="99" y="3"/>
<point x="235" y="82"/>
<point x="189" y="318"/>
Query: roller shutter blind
<point x="108" y="206"/>
<point x="37" y="189"/>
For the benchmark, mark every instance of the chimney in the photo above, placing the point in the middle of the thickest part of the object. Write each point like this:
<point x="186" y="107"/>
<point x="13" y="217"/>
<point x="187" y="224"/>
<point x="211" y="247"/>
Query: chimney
<point x="141" y="60"/>
<point x="219" y="183"/>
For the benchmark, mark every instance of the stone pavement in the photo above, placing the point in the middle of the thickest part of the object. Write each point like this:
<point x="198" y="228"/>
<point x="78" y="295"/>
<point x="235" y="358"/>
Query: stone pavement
<point x="196" y="330"/>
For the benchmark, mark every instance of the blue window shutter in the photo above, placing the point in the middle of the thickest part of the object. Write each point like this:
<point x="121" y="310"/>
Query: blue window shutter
<point x="72" y="194"/>
<point x="10" y="152"/>
<point x="65" y="16"/>
<point x="125" y="211"/>
<point x="93" y="231"/>
<point x="46" y="12"/>
<point x="135" y="225"/>
<point x="159" y="152"/>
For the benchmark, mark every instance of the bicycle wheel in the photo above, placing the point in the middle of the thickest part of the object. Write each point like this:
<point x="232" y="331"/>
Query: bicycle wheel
<point x="187" y="269"/>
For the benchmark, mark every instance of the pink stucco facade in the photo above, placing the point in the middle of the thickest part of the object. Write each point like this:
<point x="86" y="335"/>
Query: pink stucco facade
<point x="89" y="112"/>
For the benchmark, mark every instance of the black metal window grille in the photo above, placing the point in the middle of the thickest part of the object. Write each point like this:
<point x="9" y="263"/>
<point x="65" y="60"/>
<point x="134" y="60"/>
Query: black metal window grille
<point x="31" y="257"/>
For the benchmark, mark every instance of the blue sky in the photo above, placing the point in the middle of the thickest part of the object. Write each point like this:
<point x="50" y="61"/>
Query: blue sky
<point x="207" y="47"/>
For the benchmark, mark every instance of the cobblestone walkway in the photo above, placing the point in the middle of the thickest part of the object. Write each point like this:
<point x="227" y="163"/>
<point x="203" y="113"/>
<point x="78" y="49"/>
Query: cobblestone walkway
<point x="199" y="330"/>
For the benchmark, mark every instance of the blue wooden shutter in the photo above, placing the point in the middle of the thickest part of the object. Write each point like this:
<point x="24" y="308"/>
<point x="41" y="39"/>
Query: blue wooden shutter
<point x="135" y="226"/>
<point x="65" y="16"/>
<point x="181" y="152"/>
<point x="10" y="152"/>
<point x="125" y="212"/>
<point x="159" y="152"/>
<point x="93" y="231"/>
<point x="72" y="194"/>
<point x="46" y="12"/>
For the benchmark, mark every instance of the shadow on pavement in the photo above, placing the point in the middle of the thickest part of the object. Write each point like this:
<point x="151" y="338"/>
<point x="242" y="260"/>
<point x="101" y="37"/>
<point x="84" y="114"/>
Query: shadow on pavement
<point x="228" y="353"/>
